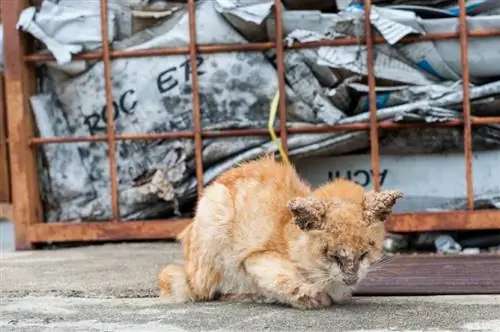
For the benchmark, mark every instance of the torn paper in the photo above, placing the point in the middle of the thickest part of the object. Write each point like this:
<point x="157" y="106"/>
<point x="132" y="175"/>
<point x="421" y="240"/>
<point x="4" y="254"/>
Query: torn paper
<point x="254" y="11"/>
<point x="60" y="29"/>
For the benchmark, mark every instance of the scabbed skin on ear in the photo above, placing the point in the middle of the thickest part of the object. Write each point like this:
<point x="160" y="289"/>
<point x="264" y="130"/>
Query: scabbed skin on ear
<point x="378" y="206"/>
<point x="308" y="212"/>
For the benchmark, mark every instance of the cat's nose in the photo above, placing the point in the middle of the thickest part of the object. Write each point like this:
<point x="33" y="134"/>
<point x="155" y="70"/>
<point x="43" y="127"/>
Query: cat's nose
<point x="350" y="280"/>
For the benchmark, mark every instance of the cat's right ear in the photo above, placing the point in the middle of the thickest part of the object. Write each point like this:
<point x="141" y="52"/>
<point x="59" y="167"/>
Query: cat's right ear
<point x="308" y="213"/>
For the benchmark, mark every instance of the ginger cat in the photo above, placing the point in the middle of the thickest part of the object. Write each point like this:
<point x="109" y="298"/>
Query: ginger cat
<point x="261" y="234"/>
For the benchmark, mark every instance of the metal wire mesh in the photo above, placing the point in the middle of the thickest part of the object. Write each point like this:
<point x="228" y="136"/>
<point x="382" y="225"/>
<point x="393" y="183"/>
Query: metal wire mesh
<point x="140" y="229"/>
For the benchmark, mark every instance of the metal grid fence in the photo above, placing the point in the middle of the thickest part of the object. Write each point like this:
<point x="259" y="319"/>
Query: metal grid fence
<point x="20" y="84"/>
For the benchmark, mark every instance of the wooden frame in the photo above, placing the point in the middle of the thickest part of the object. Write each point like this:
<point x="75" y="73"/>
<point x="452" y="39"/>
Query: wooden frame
<point x="19" y="85"/>
<point x="4" y="156"/>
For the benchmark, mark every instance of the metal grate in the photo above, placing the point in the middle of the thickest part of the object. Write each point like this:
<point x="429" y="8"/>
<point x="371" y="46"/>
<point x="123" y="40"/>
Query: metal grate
<point x="20" y="84"/>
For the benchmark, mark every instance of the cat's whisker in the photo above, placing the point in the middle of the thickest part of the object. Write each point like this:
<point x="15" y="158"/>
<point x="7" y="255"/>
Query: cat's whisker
<point x="382" y="264"/>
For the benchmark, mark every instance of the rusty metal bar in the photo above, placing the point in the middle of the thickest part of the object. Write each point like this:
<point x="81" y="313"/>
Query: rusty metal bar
<point x="118" y="137"/>
<point x="280" y="64"/>
<point x="387" y="125"/>
<point x="464" y="54"/>
<point x="198" y="153"/>
<point x="372" y="98"/>
<point x="255" y="47"/>
<point x="110" y="123"/>
<point x="485" y="120"/>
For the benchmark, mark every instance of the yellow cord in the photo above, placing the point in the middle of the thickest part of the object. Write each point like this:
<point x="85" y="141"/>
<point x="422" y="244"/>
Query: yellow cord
<point x="270" y="126"/>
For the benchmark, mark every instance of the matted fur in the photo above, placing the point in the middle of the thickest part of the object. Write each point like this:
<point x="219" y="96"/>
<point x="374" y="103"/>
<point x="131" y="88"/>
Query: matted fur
<point x="261" y="234"/>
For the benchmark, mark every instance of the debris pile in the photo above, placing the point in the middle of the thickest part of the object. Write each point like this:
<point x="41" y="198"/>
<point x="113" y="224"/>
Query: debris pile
<point x="461" y="243"/>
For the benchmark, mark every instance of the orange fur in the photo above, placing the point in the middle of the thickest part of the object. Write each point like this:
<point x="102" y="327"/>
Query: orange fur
<point x="261" y="234"/>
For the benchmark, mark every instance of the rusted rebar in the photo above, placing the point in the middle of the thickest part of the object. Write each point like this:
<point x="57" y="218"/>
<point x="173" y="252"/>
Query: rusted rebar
<point x="255" y="47"/>
<point x="386" y="125"/>
<point x="198" y="153"/>
<point x="464" y="55"/>
<point x="110" y="121"/>
<point x="280" y="65"/>
<point x="372" y="98"/>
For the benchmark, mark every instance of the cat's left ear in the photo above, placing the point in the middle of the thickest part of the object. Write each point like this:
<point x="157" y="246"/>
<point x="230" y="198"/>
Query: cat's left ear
<point x="308" y="212"/>
<point x="378" y="206"/>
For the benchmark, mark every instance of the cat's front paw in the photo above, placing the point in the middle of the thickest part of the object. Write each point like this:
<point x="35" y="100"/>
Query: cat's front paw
<point x="342" y="295"/>
<point x="315" y="300"/>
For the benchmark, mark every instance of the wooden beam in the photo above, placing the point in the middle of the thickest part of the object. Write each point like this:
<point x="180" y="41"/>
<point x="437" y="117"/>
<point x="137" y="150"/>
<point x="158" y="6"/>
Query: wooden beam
<point x="107" y="231"/>
<point x="20" y="83"/>
<point x="4" y="156"/>
<point x="5" y="211"/>
<point x="444" y="221"/>
<point x="169" y="229"/>
<point x="434" y="275"/>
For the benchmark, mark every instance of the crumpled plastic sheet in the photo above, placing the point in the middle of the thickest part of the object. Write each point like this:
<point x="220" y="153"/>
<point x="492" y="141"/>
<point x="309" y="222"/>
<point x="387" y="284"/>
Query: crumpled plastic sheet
<point x="154" y="94"/>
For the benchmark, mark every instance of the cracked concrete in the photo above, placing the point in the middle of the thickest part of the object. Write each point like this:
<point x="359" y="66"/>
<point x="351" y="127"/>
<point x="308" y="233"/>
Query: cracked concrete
<point x="113" y="288"/>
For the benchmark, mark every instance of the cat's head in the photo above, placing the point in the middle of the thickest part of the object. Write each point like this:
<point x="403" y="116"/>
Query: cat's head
<point x="343" y="230"/>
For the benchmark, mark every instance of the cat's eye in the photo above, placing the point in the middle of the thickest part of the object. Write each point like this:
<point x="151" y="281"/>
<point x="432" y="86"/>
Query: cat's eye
<point x="363" y="255"/>
<point x="331" y="255"/>
<point x="336" y="259"/>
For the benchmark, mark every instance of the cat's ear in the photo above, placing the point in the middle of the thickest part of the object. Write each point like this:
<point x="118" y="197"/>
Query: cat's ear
<point x="308" y="212"/>
<point x="378" y="206"/>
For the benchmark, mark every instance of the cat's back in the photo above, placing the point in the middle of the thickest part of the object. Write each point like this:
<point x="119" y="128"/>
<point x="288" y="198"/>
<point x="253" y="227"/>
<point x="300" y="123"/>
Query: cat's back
<point x="264" y="181"/>
<point x="248" y="204"/>
<point x="265" y="171"/>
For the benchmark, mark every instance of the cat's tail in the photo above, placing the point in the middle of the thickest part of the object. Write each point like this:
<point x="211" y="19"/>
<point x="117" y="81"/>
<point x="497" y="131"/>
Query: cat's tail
<point x="173" y="284"/>
<point x="172" y="280"/>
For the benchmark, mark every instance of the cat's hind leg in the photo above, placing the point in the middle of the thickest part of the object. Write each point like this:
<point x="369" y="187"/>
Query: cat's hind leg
<point x="173" y="284"/>
<point x="278" y="277"/>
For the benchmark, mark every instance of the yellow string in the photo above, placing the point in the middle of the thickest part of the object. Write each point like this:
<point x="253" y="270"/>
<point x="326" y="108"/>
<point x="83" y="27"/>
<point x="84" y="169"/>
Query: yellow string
<point x="270" y="126"/>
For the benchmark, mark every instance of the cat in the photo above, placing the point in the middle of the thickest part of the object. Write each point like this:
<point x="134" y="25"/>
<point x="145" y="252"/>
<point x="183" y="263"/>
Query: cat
<point x="262" y="234"/>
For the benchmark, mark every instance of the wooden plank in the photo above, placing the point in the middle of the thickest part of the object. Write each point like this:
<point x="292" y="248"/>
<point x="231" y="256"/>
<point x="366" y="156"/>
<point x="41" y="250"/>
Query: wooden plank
<point x="168" y="229"/>
<point x="444" y="221"/>
<point x="107" y="231"/>
<point x="434" y="275"/>
<point x="4" y="157"/>
<point x="20" y="83"/>
<point x="5" y="211"/>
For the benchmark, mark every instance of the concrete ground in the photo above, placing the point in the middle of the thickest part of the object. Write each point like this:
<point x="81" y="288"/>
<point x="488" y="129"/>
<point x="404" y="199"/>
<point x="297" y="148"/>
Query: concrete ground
<point x="112" y="288"/>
